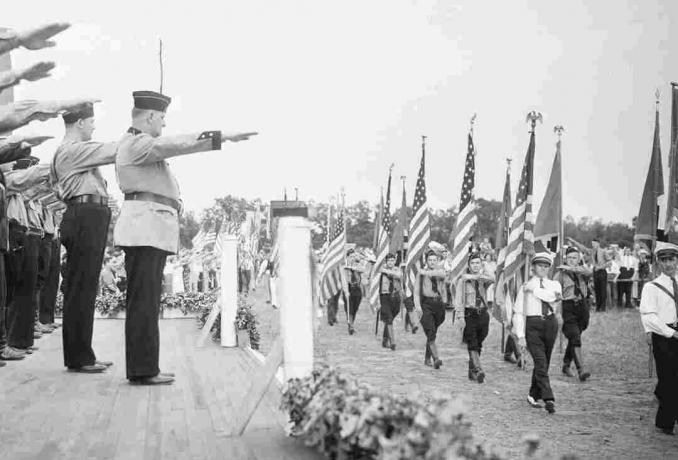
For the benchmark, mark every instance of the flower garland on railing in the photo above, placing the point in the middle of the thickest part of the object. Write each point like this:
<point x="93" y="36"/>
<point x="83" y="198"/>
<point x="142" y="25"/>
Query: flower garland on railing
<point x="346" y="420"/>
<point x="110" y="304"/>
<point x="245" y="320"/>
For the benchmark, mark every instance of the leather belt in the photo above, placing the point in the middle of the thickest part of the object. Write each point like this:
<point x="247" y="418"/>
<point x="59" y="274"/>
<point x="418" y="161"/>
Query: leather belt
<point x="49" y="235"/>
<point x="96" y="199"/>
<point x="35" y="231"/>
<point x="539" y="316"/>
<point x="154" y="197"/>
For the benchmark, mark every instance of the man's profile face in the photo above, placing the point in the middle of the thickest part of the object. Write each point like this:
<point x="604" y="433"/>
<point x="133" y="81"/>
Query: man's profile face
<point x="87" y="128"/>
<point x="572" y="259"/>
<point x="390" y="263"/>
<point x="156" y="121"/>
<point x="474" y="265"/>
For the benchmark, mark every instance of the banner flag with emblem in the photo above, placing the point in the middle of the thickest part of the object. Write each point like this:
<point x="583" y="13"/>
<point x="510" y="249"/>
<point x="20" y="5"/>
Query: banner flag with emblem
<point x="467" y="219"/>
<point x="548" y="226"/>
<point x="333" y="261"/>
<point x="420" y="226"/>
<point x="383" y="247"/>
<point x="520" y="240"/>
<point x="399" y="236"/>
<point x="646" y="222"/>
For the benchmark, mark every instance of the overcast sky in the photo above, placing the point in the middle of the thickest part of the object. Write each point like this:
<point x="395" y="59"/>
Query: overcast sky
<point x="340" y="90"/>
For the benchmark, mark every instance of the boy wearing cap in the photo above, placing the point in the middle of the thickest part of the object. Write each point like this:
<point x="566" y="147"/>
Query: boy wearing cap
<point x="658" y="314"/>
<point x="536" y="326"/>
<point x="470" y="304"/>
<point x="353" y="287"/>
<point x="574" y="281"/>
<point x="148" y="226"/>
<point x="389" y="298"/>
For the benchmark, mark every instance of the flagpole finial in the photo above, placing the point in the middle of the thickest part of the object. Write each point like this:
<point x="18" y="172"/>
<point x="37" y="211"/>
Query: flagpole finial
<point x="508" y="162"/>
<point x="558" y="129"/>
<point x="533" y="117"/>
<point x="657" y="94"/>
<point x="473" y="120"/>
<point x="390" y="169"/>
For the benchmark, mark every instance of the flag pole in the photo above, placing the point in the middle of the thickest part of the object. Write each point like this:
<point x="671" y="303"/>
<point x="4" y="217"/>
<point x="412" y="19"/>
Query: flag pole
<point x="558" y="129"/>
<point x="503" y="222"/>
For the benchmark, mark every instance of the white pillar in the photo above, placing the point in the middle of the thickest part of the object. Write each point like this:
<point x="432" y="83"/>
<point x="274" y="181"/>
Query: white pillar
<point x="229" y="290"/>
<point x="295" y="296"/>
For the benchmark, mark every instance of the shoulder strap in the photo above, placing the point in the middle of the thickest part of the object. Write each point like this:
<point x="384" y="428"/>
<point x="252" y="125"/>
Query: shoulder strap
<point x="577" y="289"/>
<point x="664" y="289"/>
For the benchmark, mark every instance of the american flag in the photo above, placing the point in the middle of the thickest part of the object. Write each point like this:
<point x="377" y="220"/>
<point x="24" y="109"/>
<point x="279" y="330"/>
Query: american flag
<point x="333" y="262"/>
<point x="504" y="228"/>
<point x="198" y="240"/>
<point x="521" y="239"/>
<point x="467" y="218"/>
<point x="210" y="236"/>
<point x="420" y="226"/>
<point x="383" y="247"/>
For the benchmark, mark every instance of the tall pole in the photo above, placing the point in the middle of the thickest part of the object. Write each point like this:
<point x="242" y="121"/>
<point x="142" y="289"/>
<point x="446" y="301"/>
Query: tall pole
<point x="532" y="117"/>
<point x="162" y="74"/>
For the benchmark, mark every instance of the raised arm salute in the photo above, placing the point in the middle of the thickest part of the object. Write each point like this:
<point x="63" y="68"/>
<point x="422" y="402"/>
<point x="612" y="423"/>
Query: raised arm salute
<point x="148" y="226"/>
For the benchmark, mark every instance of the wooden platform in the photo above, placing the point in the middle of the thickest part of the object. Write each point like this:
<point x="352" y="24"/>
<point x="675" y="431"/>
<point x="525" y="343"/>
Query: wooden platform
<point x="49" y="413"/>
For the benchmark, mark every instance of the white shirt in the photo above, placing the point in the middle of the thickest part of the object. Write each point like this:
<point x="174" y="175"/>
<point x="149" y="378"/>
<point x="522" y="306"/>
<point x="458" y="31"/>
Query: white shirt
<point x="629" y="261"/>
<point x="527" y="304"/>
<point x="657" y="309"/>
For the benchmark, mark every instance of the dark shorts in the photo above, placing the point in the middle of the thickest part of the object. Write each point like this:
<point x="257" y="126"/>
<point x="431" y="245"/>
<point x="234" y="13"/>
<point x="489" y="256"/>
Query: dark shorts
<point x="575" y="320"/>
<point x="433" y="316"/>
<point x="476" y="328"/>
<point x="390" y="307"/>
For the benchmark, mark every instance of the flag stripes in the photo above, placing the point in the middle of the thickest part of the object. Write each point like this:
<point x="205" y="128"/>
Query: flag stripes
<point x="383" y="246"/>
<point x="333" y="261"/>
<point x="420" y="227"/>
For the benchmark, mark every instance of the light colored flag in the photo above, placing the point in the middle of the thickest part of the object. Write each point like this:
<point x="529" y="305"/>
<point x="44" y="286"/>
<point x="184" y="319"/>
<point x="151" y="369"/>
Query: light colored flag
<point x="333" y="261"/>
<point x="383" y="247"/>
<point x="420" y="226"/>
<point x="467" y="219"/>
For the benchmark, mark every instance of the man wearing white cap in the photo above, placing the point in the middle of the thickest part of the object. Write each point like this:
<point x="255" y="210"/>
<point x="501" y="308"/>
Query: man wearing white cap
<point x="659" y="315"/>
<point x="535" y="325"/>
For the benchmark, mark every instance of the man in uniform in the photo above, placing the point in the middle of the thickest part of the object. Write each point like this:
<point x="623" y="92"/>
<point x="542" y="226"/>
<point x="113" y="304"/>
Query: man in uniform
<point x="599" y="274"/>
<point x="470" y="304"/>
<point x="574" y="281"/>
<point x="430" y="301"/>
<point x="535" y="325"/>
<point x="84" y="231"/>
<point x="658" y="313"/>
<point x="389" y="298"/>
<point x="148" y="226"/>
<point x="352" y="282"/>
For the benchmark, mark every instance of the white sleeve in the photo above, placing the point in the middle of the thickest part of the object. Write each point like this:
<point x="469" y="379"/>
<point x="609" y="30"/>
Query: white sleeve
<point x="648" y="312"/>
<point x="518" y="321"/>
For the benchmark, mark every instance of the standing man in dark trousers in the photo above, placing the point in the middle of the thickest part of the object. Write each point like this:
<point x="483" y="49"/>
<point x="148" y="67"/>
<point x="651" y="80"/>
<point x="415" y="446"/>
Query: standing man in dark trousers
<point x="148" y="226"/>
<point x="535" y="324"/>
<point x="389" y="298"/>
<point x="574" y="279"/>
<point x="599" y="275"/>
<point x="84" y="231"/>
<point x="470" y="306"/>
<point x="659" y="315"/>
<point x="430" y="301"/>
<point x="353" y="287"/>
<point x="25" y="235"/>
<point x="48" y="294"/>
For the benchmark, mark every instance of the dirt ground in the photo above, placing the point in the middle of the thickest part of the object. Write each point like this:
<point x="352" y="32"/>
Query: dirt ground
<point x="609" y="416"/>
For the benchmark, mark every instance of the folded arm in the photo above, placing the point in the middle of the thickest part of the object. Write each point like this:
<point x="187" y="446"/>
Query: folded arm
<point x="12" y="152"/>
<point x="648" y="313"/>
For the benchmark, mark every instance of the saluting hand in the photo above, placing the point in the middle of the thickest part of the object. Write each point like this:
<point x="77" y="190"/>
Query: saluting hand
<point x="237" y="137"/>
<point x="37" y="71"/>
<point x="38" y="37"/>
<point x="31" y="139"/>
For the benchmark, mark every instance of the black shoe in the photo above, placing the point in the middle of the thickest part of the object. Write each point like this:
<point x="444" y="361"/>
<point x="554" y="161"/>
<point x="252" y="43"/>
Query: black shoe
<point x="90" y="369"/>
<point x="550" y="407"/>
<point x="159" y="379"/>
<point x="104" y="363"/>
<point x="3" y="364"/>
<point x="415" y="329"/>
<point x="427" y="362"/>
<point x="437" y="363"/>
<point x="351" y="330"/>
<point x="384" y="343"/>
<point x="567" y="371"/>
<point x="393" y="346"/>
<point x="583" y="375"/>
<point x="480" y="376"/>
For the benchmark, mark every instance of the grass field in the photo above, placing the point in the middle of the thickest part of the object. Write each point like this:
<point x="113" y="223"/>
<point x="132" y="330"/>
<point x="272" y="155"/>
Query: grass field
<point x="609" y="416"/>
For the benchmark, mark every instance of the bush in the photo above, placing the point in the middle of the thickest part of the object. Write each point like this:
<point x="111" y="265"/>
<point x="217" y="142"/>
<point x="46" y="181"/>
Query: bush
<point x="346" y="420"/>
<point x="245" y="320"/>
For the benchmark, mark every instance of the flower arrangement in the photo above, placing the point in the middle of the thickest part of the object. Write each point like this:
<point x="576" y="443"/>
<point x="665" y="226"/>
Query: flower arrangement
<point x="244" y="320"/>
<point x="344" y="419"/>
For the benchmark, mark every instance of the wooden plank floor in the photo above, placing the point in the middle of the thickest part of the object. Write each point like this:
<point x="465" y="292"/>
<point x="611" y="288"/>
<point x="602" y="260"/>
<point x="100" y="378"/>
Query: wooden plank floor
<point x="48" y="413"/>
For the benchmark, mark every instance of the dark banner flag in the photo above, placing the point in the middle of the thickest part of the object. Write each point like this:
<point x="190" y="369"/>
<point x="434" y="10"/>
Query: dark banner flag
<point x="646" y="223"/>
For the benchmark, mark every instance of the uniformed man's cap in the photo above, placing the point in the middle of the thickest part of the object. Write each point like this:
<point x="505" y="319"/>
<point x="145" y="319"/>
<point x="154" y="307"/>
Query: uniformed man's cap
<point x="473" y="254"/>
<point x="86" y="111"/>
<point x="150" y="100"/>
<point x="570" y="250"/>
<point x="25" y="163"/>
<point x="543" y="258"/>
<point x="663" y="248"/>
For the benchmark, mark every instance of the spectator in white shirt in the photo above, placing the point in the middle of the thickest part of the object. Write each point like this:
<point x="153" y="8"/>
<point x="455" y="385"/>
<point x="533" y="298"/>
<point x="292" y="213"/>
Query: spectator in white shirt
<point x="658" y="314"/>
<point x="628" y="266"/>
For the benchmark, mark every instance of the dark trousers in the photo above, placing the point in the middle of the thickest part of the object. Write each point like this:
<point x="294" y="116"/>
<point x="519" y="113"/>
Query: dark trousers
<point x="49" y="291"/>
<point x="600" y="288"/>
<point x="390" y="307"/>
<point x="22" y="267"/>
<point x="433" y="315"/>
<point x="575" y="321"/>
<point x="244" y="280"/>
<point x="332" y="307"/>
<point x="144" y="266"/>
<point x="44" y="259"/>
<point x="3" y="301"/>
<point x="511" y="347"/>
<point x="540" y="335"/>
<point x="84" y="231"/>
<point x="624" y="288"/>
<point x="665" y="352"/>
<point x="476" y="328"/>
<point x="355" y="296"/>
